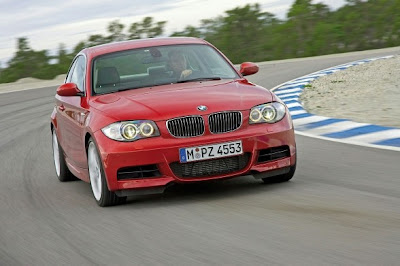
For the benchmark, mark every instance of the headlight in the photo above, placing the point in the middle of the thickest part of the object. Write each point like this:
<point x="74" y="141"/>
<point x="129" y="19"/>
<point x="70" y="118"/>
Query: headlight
<point x="146" y="129"/>
<point x="267" y="113"/>
<point x="131" y="130"/>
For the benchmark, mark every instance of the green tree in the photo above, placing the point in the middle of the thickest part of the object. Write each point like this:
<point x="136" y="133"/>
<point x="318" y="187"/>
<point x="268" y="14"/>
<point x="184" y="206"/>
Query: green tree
<point x="304" y="16"/>
<point x="146" y="29"/>
<point x="25" y="63"/>
<point x="115" y="28"/>
<point x="96" y="39"/>
<point x="189" y="31"/>
<point x="242" y="32"/>
<point x="81" y="45"/>
<point x="63" y="60"/>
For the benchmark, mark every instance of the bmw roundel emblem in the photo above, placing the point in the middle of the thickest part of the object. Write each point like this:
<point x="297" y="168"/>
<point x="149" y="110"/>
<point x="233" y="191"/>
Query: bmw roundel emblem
<point x="201" y="107"/>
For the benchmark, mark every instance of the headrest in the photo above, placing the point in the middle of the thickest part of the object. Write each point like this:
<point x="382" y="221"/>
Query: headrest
<point x="156" y="70"/>
<point x="107" y="76"/>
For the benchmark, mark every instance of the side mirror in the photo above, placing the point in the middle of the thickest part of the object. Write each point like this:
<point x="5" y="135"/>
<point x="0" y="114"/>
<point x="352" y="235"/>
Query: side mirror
<point x="68" y="89"/>
<point x="248" y="68"/>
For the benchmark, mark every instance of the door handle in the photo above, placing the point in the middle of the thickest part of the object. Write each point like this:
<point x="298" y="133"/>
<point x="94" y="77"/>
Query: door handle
<point x="61" y="107"/>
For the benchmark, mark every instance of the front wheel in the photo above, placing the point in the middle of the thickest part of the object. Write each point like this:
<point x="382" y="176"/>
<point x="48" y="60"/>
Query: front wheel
<point x="102" y="195"/>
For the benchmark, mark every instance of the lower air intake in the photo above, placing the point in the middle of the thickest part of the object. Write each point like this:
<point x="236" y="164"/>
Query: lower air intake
<point x="138" y="172"/>
<point x="210" y="167"/>
<point x="274" y="153"/>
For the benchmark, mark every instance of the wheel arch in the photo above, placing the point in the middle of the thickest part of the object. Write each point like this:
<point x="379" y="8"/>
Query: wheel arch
<point x="89" y="136"/>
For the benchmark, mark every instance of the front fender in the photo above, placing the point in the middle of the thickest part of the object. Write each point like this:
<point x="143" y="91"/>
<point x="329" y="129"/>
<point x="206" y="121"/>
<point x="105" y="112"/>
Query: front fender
<point x="53" y="118"/>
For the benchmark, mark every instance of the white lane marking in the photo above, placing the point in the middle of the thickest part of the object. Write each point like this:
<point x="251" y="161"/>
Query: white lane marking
<point x="304" y="80"/>
<point x="290" y="105"/>
<point x="307" y="120"/>
<point x="291" y="94"/>
<point x="331" y="70"/>
<point x="346" y="141"/>
<point x="288" y="91"/>
<point x="291" y="99"/>
<point x="298" y="112"/>
<point x="294" y="84"/>
<point x="335" y="127"/>
<point x="358" y="63"/>
<point x="377" y="136"/>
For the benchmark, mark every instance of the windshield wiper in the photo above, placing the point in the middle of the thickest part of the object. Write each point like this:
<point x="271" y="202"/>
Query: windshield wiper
<point x="198" y="79"/>
<point x="124" y="89"/>
<point x="147" y="86"/>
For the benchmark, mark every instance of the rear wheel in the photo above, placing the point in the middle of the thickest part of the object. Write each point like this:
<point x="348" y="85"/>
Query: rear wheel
<point x="102" y="195"/>
<point x="60" y="165"/>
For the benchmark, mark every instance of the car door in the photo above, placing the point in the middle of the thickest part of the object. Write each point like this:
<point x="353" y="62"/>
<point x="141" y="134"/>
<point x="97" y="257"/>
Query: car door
<point x="61" y="115"/>
<point x="74" y="115"/>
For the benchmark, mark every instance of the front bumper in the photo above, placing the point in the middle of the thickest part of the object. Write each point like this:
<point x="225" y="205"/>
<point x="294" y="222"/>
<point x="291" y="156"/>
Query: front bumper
<point x="164" y="150"/>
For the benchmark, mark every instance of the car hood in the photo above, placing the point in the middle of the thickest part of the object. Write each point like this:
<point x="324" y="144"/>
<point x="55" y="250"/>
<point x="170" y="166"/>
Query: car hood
<point x="175" y="100"/>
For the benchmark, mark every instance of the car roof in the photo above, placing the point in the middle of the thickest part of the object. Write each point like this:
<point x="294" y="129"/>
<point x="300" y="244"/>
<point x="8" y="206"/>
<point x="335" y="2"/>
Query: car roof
<point x="94" y="51"/>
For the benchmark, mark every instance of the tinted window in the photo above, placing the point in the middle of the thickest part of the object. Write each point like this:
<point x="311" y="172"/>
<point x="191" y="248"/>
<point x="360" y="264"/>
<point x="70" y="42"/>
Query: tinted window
<point x="154" y="66"/>
<point x="78" y="73"/>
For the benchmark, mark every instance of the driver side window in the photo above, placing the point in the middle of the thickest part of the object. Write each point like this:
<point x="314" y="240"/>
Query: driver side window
<point x="71" y="69"/>
<point x="77" y="73"/>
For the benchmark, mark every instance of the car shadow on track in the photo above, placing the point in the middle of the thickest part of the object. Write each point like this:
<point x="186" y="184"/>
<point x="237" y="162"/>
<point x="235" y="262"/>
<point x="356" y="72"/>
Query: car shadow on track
<point x="205" y="191"/>
<point x="208" y="191"/>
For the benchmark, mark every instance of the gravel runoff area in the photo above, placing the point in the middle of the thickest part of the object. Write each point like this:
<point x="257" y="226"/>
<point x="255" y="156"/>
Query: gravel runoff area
<point x="31" y="83"/>
<point x="367" y="93"/>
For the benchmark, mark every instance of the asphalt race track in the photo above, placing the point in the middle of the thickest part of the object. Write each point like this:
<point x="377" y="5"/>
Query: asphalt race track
<point x="342" y="206"/>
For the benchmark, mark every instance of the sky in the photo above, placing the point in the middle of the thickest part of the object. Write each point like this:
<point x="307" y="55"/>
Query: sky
<point x="47" y="23"/>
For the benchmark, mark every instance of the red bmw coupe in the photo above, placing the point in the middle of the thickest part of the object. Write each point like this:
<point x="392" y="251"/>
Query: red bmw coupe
<point x="133" y="117"/>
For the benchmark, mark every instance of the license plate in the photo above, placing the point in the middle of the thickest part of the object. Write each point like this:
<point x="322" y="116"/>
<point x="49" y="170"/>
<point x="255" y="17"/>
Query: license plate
<point x="210" y="151"/>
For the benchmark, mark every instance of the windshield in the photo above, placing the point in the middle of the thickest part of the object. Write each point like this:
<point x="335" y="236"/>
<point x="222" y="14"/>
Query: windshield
<point x="153" y="66"/>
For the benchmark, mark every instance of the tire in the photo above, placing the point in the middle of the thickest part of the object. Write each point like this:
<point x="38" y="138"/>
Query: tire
<point x="98" y="183"/>
<point x="281" y="178"/>
<point x="60" y="165"/>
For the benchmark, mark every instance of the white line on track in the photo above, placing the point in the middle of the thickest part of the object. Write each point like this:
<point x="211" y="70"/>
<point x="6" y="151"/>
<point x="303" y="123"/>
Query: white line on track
<point x="307" y="120"/>
<point x="377" y="136"/>
<point x="288" y="91"/>
<point x="336" y="127"/>
<point x="352" y="142"/>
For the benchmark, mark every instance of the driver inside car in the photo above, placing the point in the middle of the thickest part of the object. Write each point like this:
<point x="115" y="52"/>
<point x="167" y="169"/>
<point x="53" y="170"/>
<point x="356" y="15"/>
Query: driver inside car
<point x="178" y="64"/>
